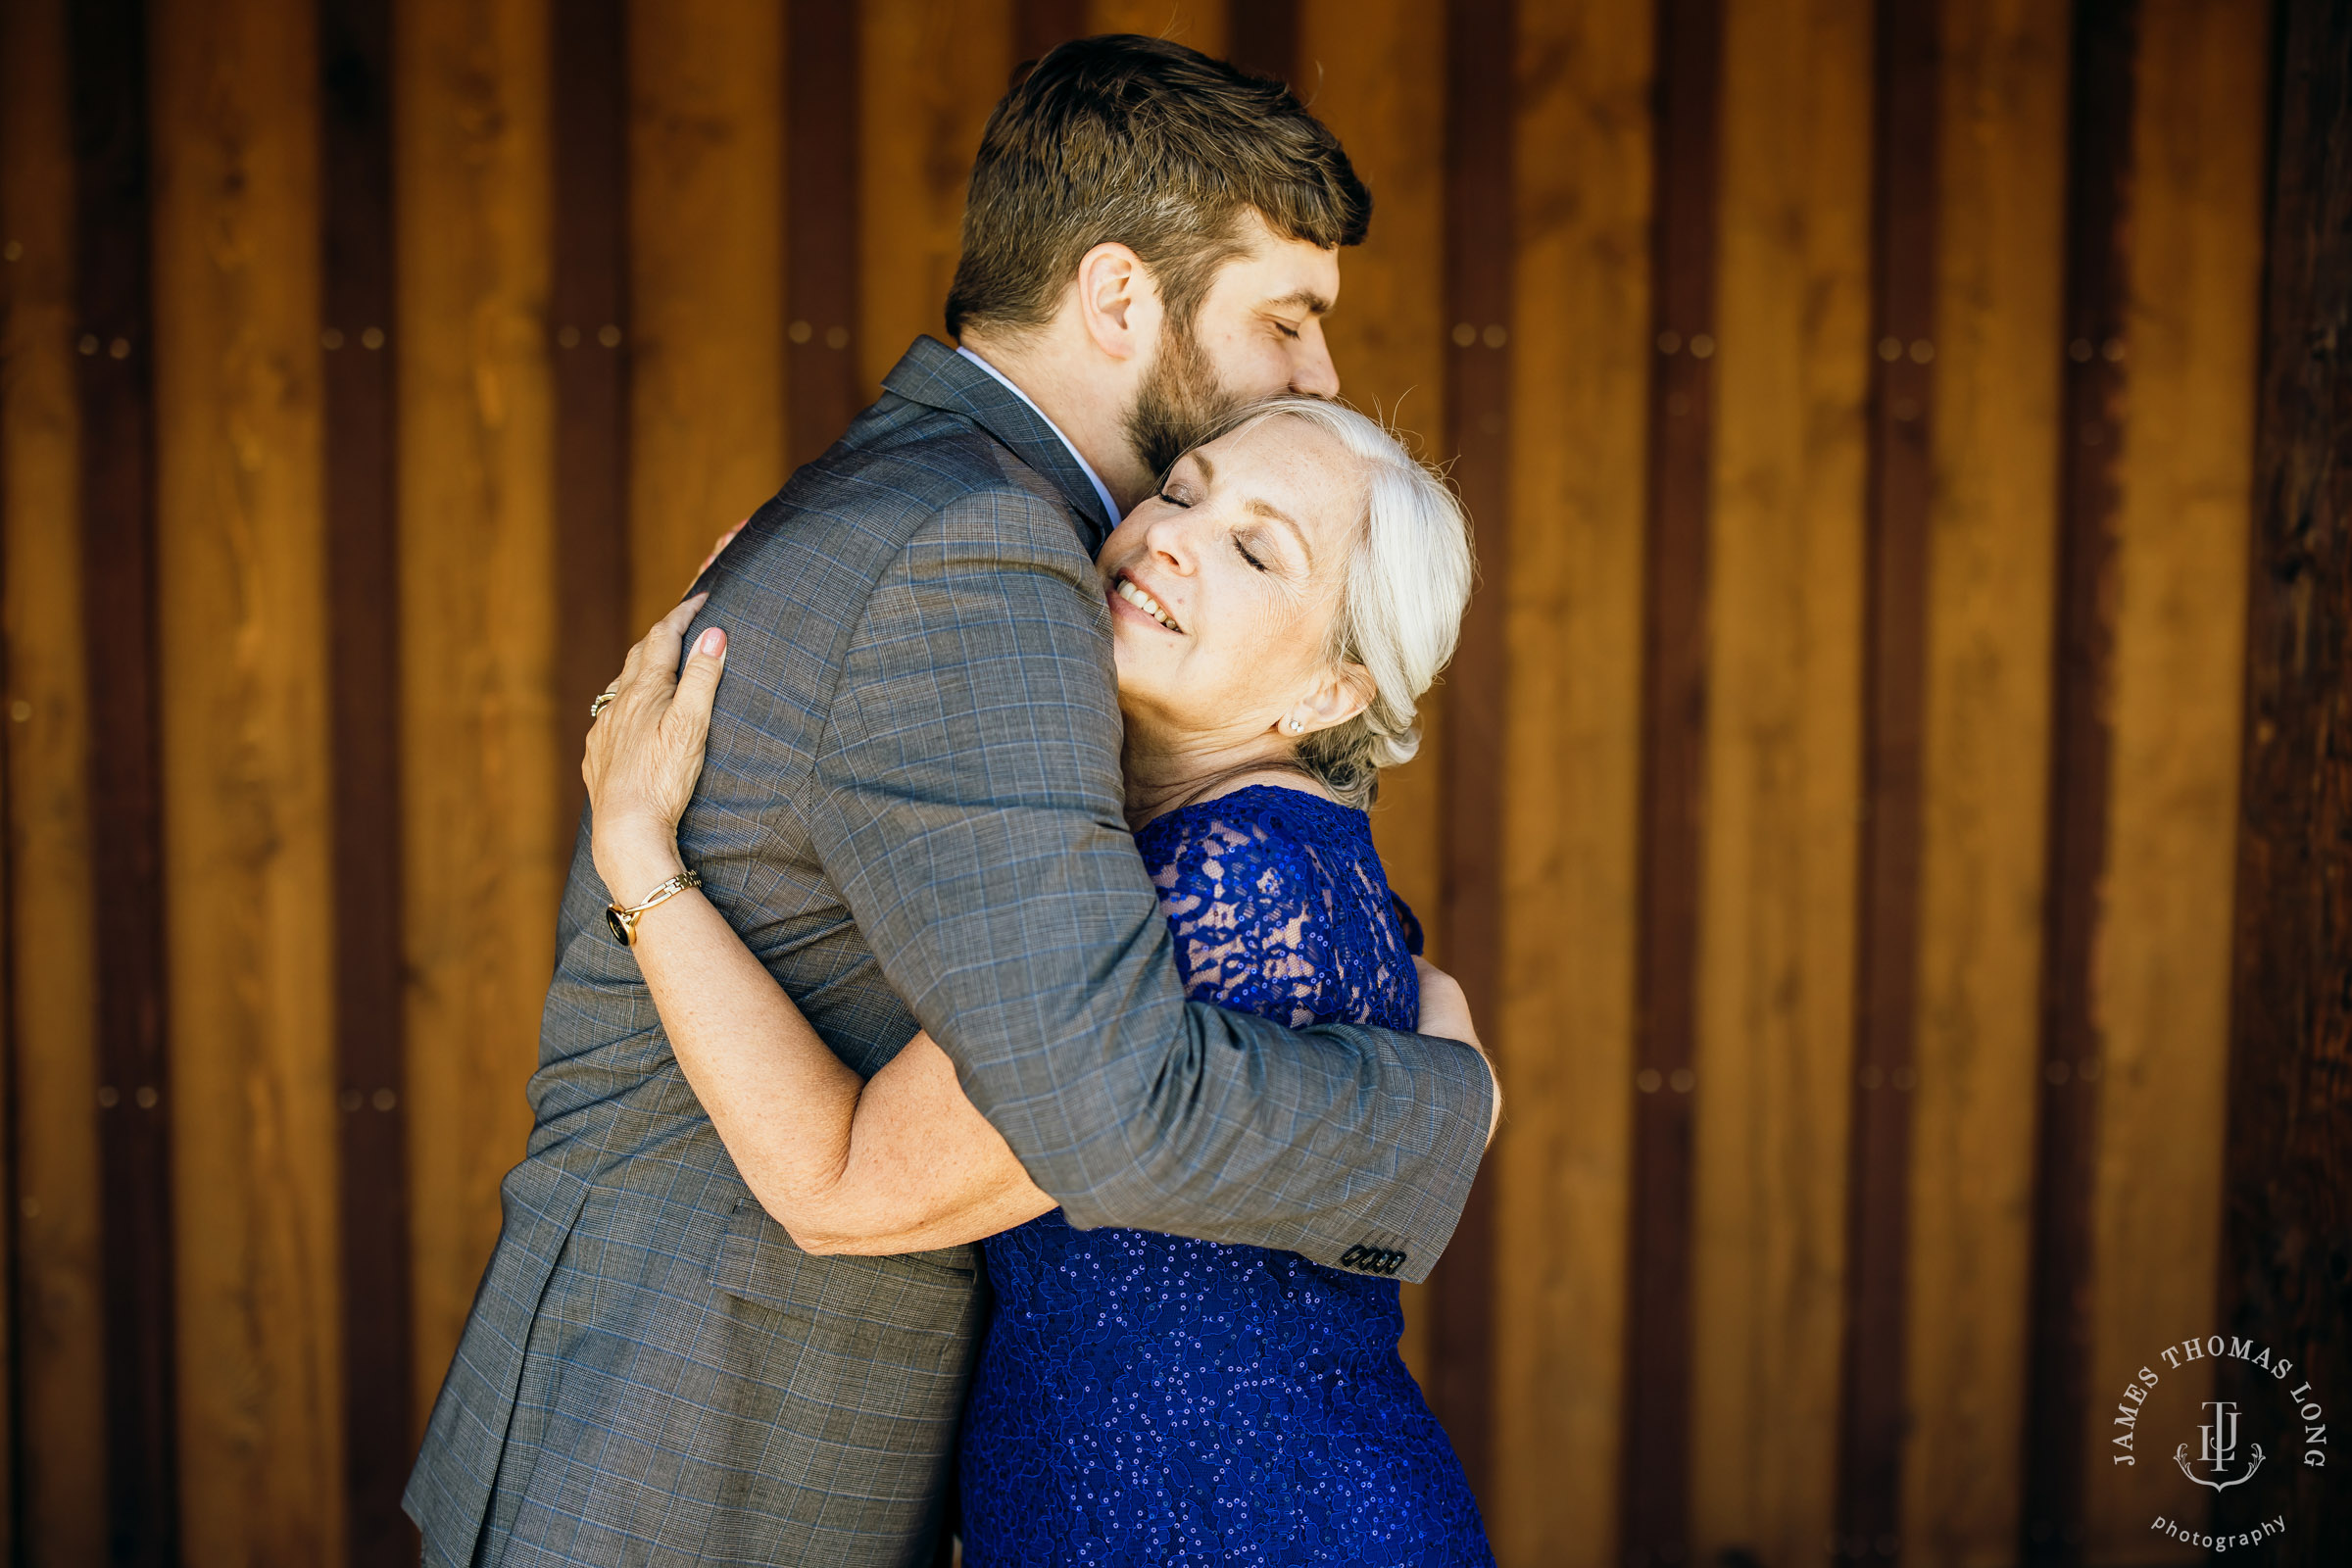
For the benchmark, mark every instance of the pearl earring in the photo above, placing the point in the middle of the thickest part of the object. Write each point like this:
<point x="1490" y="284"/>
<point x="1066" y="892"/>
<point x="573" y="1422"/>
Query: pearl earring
<point x="1297" y="728"/>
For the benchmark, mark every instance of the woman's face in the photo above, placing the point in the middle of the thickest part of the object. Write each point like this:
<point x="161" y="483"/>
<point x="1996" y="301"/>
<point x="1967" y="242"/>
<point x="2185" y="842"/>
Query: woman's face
<point x="1222" y="589"/>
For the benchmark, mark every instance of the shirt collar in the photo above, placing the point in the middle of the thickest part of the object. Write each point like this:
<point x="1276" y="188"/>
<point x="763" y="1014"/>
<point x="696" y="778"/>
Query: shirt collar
<point x="1110" y="508"/>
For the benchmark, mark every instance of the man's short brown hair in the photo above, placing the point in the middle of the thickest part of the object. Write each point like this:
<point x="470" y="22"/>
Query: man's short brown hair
<point x="1154" y="146"/>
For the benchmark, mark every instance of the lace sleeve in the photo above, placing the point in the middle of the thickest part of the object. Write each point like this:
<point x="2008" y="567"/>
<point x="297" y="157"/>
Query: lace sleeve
<point x="1253" y="920"/>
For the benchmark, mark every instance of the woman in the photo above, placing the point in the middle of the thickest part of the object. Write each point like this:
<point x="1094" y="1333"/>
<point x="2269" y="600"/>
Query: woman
<point x="1276" y="611"/>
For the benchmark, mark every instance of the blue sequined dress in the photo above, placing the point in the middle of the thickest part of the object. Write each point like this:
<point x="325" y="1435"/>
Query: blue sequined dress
<point x="1146" y="1398"/>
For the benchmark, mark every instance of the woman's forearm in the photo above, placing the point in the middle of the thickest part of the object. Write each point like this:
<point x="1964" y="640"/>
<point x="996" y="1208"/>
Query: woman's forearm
<point x="902" y="1164"/>
<point x="925" y="1168"/>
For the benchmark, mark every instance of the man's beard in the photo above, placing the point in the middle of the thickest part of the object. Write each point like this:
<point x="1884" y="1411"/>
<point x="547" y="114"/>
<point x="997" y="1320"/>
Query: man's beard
<point x="1181" y="403"/>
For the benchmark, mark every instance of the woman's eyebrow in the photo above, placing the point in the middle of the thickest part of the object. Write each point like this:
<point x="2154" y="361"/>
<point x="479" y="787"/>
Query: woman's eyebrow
<point x="1274" y="514"/>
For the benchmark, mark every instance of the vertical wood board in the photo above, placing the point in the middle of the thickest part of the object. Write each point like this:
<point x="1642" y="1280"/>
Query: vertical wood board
<point x="2291" y="1118"/>
<point x="1776" y="923"/>
<point x="589" y="316"/>
<point x="2099" y="153"/>
<point x="1986" y="774"/>
<point x="933" y="69"/>
<point x="248" y="834"/>
<point x="2162" y="971"/>
<point x="1194" y="24"/>
<point x="485" y="849"/>
<point x="55" y="1296"/>
<point x="1261" y="36"/>
<point x="707" y="284"/>
<point x="1038" y="26"/>
<point x="1905" y="191"/>
<point x="1655" y="1455"/>
<point x="109" y="63"/>
<point x="1480" y="270"/>
<point x="361" y="584"/>
<point x="821" y="235"/>
<point x="1581" y="325"/>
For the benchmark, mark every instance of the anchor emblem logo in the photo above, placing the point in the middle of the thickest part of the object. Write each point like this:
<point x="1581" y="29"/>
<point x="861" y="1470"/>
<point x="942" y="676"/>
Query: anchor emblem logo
<point x="2217" y="1449"/>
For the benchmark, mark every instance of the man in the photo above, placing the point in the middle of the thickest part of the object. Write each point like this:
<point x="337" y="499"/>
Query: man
<point x="912" y="810"/>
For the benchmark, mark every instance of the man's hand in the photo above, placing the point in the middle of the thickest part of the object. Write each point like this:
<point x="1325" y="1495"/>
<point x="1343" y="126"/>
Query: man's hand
<point x="1445" y="1015"/>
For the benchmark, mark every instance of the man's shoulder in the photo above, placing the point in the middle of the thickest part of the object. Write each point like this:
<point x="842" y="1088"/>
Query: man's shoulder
<point x="905" y="468"/>
<point x="910" y="493"/>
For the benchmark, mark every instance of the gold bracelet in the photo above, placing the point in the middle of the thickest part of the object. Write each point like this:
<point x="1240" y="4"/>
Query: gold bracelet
<point x="622" y="923"/>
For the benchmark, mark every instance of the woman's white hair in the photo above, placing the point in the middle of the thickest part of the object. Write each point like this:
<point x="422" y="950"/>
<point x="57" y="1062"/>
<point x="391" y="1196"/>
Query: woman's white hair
<point x="1401" y="609"/>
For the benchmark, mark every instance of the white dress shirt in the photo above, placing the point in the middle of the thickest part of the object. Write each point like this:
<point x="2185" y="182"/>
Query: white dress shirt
<point x="1110" y="508"/>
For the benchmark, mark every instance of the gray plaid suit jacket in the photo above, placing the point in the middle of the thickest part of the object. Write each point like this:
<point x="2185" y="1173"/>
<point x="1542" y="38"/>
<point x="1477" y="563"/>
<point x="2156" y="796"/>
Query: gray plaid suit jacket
<point x="911" y="812"/>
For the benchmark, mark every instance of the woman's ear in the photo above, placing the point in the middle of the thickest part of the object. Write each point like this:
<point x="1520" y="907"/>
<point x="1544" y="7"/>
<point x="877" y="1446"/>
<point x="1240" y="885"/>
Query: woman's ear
<point x="1338" y="696"/>
<point x="1118" y="304"/>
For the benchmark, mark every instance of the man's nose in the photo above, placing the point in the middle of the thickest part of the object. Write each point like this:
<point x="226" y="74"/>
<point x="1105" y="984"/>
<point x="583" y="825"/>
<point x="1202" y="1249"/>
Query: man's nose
<point x="1311" y="369"/>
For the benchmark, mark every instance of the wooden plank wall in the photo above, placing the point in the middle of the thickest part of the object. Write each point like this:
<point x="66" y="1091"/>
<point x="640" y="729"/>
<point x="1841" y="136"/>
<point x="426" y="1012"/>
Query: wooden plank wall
<point x="619" y="293"/>
<point x="56" y="1336"/>
<point x="1777" y="868"/>
<point x="246" y="831"/>
<point x="2162" y="978"/>
<point x="2290" y="1130"/>
<point x="482" y="836"/>
<point x="1581" y="375"/>
<point x="1992" y="554"/>
<point x="361" y="496"/>
<point x="706" y="366"/>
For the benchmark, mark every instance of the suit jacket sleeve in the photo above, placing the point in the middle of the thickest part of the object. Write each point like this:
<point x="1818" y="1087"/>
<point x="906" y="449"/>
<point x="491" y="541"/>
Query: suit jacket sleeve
<point x="967" y="801"/>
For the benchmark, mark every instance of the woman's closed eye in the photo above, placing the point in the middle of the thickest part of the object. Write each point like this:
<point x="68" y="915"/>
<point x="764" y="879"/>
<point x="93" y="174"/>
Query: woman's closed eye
<point x="1243" y="549"/>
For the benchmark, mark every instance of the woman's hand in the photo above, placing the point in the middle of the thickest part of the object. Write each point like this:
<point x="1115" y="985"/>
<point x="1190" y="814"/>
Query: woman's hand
<point x="899" y="1164"/>
<point x="644" y="752"/>
<point x="1445" y="1014"/>
<point x="717" y="550"/>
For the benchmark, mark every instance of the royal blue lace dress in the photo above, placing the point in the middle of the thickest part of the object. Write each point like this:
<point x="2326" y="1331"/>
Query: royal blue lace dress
<point x="1146" y="1399"/>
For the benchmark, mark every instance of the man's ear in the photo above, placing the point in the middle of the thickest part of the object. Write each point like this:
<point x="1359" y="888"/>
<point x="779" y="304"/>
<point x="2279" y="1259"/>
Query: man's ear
<point x="1118" y="304"/>
<point x="1338" y="696"/>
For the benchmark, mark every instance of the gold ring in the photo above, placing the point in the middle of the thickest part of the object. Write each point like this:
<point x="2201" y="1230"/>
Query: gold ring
<point x="603" y="699"/>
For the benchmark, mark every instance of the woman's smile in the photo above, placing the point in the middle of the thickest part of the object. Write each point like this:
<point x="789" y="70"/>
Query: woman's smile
<point x="1125" y="590"/>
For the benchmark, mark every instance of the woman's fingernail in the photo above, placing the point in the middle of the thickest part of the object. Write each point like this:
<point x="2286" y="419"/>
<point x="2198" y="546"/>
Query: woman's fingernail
<point x="711" y="642"/>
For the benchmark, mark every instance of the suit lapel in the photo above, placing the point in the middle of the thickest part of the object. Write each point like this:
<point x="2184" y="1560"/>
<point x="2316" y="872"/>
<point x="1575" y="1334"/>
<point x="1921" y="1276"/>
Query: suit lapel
<point x="937" y="376"/>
